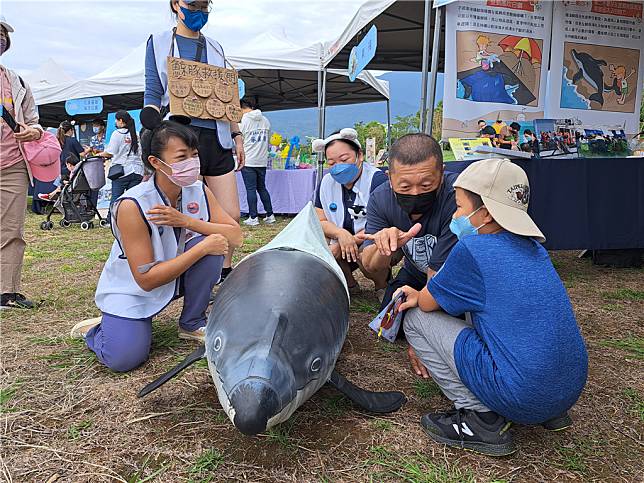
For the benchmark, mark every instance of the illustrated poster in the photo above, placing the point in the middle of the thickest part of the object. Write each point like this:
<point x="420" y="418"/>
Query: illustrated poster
<point x="597" y="64"/>
<point x="496" y="56"/>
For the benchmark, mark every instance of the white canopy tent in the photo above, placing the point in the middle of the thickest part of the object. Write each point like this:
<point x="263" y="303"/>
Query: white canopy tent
<point x="404" y="30"/>
<point x="47" y="74"/>
<point x="278" y="79"/>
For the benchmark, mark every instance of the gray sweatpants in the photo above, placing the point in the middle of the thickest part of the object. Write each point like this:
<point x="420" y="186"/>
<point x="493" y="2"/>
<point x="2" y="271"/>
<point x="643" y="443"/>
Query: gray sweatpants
<point x="432" y="336"/>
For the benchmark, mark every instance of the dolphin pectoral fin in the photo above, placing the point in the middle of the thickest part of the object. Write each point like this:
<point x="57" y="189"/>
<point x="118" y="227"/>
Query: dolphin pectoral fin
<point x="374" y="402"/>
<point x="578" y="75"/>
<point x="187" y="362"/>
<point x="597" y="97"/>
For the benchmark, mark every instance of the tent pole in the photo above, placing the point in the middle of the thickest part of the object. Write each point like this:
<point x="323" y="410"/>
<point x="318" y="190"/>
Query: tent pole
<point x="321" y="121"/>
<point x="425" y="67"/>
<point x="388" y="124"/>
<point x="436" y="47"/>
<point x="323" y="103"/>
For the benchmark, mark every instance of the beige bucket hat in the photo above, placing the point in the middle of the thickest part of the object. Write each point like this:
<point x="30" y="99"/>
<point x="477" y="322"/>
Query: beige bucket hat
<point x="505" y="191"/>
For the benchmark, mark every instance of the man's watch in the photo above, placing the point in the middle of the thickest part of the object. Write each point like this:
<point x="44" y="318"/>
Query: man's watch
<point x="235" y="134"/>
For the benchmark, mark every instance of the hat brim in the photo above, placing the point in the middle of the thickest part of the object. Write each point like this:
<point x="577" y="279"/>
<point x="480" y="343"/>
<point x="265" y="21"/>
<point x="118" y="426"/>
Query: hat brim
<point x="47" y="173"/>
<point x="513" y="219"/>
<point x="8" y="27"/>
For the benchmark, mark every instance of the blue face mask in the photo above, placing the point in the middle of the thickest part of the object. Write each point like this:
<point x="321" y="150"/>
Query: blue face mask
<point x="462" y="227"/>
<point x="344" y="173"/>
<point x="195" y="21"/>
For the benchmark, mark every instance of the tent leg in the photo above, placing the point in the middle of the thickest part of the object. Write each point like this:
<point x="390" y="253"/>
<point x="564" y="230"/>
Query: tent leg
<point x="323" y="103"/>
<point x="321" y="121"/>
<point x="436" y="47"/>
<point x="425" y="67"/>
<point x="388" y="124"/>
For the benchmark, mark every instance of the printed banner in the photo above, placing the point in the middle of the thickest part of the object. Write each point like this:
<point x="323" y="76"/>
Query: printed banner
<point x="465" y="149"/>
<point x="597" y="63"/>
<point x="496" y="59"/>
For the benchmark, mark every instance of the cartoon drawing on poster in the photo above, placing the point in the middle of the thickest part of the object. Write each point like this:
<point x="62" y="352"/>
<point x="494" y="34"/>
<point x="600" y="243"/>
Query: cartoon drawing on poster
<point x="498" y="68"/>
<point x="599" y="77"/>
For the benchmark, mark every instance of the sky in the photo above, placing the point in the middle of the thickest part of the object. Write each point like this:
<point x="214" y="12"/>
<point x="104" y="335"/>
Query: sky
<point x="86" y="37"/>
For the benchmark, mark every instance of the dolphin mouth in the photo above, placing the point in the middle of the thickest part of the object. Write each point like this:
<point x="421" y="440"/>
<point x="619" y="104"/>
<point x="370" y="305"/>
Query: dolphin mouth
<point x="255" y="402"/>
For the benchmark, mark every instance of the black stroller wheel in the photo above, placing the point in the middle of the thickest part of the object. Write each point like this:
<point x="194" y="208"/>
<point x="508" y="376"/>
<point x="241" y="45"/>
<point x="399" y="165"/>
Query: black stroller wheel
<point x="104" y="223"/>
<point x="64" y="223"/>
<point x="91" y="224"/>
<point x="84" y="226"/>
<point x="45" y="225"/>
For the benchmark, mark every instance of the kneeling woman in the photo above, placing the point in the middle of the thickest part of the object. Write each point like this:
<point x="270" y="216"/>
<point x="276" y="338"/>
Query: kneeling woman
<point x="171" y="237"/>
<point x="341" y="203"/>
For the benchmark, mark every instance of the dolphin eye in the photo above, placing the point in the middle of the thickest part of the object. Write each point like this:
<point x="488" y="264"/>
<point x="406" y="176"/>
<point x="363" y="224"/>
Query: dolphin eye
<point x="217" y="344"/>
<point x="316" y="364"/>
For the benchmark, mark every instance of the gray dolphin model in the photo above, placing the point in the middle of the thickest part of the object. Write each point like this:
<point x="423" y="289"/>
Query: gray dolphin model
<point x="276" y="329"/>
<point x="590" y="70"/>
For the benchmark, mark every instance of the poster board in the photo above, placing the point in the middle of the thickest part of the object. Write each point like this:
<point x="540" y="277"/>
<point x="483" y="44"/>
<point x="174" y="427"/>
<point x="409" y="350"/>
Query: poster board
<point x="465" y="149"/>
<point x="597" y="63"/>
<point x="203" y="91"/>
<point x="496" y="63"/>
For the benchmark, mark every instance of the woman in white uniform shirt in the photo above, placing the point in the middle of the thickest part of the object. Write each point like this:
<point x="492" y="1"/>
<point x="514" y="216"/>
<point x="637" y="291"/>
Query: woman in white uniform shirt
<point x="123" y="149"/>
<point x="341" y="203"/>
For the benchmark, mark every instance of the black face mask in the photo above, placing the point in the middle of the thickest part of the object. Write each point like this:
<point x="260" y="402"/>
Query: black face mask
<point x="417" y="204"/>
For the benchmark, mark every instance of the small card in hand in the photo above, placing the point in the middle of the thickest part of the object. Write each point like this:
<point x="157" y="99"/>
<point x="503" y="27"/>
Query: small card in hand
<point x="387" y="323"/>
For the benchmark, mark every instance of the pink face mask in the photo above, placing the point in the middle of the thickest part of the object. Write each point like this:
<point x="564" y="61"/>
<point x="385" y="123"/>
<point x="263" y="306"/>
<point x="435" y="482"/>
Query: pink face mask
<point x="184" y="173"/>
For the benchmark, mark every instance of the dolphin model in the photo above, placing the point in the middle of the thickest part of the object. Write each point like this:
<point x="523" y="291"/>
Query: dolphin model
<point x="589" y="70"/>
<point x="276" y="329"/>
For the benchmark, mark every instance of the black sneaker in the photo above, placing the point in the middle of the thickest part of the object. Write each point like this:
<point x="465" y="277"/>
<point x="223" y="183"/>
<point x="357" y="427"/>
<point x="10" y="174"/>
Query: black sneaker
<point x="561" y="422"/>
<point x="15" y="301"/>
<point x="463" y="428"/>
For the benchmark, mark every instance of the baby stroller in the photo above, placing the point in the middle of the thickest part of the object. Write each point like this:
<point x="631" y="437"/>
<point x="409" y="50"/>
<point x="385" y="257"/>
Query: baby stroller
<point x="74" y="201"/>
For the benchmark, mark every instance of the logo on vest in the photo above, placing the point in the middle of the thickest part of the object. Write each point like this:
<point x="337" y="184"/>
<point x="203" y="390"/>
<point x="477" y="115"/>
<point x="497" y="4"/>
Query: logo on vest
<point x="193" y="207"/>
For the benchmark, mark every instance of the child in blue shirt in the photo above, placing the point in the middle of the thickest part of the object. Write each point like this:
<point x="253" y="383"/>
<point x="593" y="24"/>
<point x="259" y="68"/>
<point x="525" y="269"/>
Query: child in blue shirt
<point x="519" y="355"/>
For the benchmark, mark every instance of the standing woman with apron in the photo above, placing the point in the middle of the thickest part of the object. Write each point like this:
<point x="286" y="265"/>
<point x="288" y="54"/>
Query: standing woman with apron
<point x="216" y="138"/>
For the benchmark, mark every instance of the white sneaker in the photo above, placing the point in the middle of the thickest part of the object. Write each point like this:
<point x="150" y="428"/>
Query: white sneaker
<point x="199" y="335"/>
<point x="270" y="219"/>
<point x="251" y="222"/>
<point x="80" y="330"/>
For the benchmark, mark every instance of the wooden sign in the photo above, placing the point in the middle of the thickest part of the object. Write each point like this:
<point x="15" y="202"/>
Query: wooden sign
<point x="203" y="91"/>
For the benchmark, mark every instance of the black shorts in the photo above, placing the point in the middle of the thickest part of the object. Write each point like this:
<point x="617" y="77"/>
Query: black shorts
<point x="214" y="160"/>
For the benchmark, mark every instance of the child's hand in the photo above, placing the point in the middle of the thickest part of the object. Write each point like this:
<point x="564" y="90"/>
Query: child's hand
<point x="411" y="297"/>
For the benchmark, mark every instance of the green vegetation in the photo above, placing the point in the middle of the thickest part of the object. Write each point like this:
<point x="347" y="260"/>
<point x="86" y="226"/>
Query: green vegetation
<point x="202" y="471"/>
<point x="416" y="468"/>
<point x="426" y="388"/>
<point x="633" y="345"/>
<point x="625" y="294"/>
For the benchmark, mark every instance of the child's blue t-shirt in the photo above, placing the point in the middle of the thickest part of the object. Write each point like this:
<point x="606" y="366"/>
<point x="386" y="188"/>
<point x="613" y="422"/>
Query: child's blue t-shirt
<point x="525" y="357"/>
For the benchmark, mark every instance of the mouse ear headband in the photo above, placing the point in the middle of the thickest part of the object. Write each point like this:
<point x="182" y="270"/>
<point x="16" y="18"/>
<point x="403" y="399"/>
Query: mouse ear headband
<point x="151" y="118"/>
<point x="347" y="134"/>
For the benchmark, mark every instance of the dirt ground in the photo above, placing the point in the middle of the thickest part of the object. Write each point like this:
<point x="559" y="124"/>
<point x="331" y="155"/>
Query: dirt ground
<point x="66" y="418"/>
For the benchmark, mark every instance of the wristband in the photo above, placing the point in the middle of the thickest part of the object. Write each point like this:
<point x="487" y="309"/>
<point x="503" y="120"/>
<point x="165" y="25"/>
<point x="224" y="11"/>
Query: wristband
<point x="235" y="134"/>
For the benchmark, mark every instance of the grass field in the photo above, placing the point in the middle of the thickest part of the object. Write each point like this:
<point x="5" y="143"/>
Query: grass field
<point x="66" y="418"/>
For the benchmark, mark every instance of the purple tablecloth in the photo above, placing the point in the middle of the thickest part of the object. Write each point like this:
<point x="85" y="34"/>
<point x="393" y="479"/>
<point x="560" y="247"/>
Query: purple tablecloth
<point x="290" y="190"/>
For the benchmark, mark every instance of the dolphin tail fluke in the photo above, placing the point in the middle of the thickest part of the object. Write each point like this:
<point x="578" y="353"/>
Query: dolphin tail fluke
<point x="597" y="97"/>
<point x="187" y="362"/>
<point x="374" y="402"/>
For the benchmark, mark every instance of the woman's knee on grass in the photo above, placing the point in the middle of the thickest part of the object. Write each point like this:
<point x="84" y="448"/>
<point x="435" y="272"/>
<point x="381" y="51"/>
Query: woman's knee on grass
<point x="128" y="356"/>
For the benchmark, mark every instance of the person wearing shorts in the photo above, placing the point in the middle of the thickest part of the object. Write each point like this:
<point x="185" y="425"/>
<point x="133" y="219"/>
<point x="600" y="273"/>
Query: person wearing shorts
<point x="217" y="139"/>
